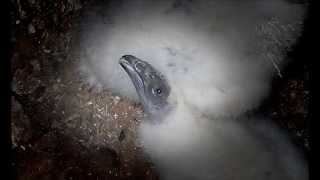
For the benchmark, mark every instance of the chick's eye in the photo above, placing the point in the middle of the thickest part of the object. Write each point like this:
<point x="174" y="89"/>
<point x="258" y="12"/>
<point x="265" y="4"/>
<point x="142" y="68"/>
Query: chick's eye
<point x="158" y="91"/>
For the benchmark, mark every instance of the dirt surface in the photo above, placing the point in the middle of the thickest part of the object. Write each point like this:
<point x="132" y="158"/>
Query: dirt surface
<point x="63" y="129"/>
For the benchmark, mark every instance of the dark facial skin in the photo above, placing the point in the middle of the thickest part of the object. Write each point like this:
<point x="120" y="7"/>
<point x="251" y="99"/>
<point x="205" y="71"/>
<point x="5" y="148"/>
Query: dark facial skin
<point x="150" y="84"/>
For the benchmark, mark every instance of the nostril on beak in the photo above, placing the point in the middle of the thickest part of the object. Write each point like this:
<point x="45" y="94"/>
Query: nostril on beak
<point x="139" y="66"/>
<point x="122" y="60"/>
<point x="127" y="59"/>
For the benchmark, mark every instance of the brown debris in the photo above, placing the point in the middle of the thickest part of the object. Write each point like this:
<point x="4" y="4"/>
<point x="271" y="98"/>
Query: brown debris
<point x="61" y="128"/>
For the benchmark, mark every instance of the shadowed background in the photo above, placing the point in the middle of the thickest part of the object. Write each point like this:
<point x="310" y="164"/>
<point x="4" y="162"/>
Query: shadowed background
<point x="66" y="126"/>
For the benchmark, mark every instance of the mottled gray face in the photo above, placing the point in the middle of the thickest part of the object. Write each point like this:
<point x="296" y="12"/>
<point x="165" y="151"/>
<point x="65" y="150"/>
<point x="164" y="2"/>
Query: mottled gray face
<point x="150" y="84"/>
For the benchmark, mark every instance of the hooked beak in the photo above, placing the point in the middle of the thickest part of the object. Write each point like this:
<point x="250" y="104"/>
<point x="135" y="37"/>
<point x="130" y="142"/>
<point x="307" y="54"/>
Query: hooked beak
<point x="128" y="63"/>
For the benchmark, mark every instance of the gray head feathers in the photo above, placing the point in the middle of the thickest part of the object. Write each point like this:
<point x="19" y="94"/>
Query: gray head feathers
<point x="151" y="86"/>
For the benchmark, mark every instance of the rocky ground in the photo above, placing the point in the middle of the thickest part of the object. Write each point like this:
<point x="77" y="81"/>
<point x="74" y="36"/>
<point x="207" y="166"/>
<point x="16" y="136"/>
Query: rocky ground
<point x="64" y="129"/>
